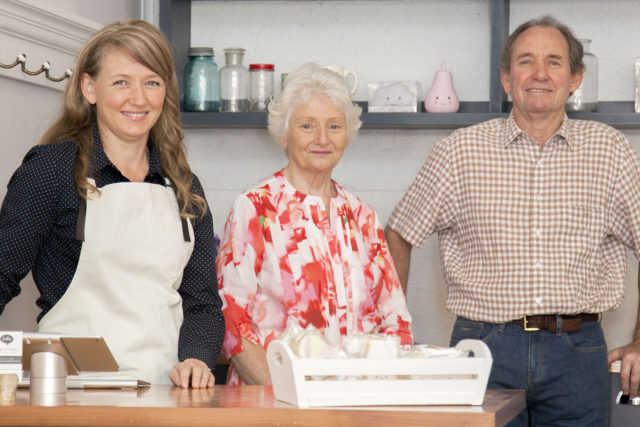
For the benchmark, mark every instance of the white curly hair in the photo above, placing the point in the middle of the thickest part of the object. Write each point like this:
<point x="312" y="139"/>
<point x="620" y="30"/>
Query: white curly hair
<point x="309" y="79"/>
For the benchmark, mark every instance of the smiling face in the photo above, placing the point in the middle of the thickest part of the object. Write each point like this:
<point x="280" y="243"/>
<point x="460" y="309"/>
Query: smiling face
<point x="539" y="80"/>
<point x="317" y="136"/>
<point x="128" y="98"/>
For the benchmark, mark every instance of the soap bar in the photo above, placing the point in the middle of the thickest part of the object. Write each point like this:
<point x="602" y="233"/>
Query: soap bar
<point x="310" y="346"/>
<point x="381" y="347"/>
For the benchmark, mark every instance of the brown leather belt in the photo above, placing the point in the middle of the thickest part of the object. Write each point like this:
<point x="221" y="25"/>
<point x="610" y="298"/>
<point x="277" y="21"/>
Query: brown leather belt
<point x="570" y="323"/>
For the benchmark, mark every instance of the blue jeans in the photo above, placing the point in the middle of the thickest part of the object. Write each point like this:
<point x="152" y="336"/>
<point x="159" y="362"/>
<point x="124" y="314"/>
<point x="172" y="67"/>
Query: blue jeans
<point x="565" y="375"/>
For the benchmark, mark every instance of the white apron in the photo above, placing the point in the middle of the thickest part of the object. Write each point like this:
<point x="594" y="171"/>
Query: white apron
<point x="125" y="287"/>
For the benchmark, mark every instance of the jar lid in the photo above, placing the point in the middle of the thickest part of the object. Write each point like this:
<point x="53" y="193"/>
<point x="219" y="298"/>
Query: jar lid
<point x="200" y="51"/>
<point x="234" y="50"/>
<point x="261" y="67"/>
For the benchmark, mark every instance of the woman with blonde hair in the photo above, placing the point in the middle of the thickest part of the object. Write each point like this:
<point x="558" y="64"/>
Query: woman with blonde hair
<point x="298" y="248"/>
<point x="107" y="215"/>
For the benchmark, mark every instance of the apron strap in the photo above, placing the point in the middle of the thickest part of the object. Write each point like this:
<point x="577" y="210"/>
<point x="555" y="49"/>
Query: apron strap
<point x="82" y="216"/>
<point x="183" y="220"/>
<point x="82" y="210"/>
<point x="185" y="229"/>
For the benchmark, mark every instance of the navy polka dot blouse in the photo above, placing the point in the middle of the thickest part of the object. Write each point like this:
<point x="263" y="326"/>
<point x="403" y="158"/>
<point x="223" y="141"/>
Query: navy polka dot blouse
<point x="38" y="234"/>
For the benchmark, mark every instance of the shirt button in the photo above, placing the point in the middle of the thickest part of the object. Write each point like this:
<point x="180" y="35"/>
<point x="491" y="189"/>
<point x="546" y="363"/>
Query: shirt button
<point x="538" y="300"/>
<point x="538" y="197"/>
<point x="538" y="232"/>
<point x="538" y="266"/>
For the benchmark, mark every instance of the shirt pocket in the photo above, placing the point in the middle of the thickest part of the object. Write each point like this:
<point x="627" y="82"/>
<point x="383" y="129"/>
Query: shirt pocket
<point x="581" y="228"/>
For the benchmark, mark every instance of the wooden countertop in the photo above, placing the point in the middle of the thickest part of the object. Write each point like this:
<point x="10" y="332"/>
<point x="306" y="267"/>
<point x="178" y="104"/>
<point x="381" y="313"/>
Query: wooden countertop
<point x="241" y="406"/>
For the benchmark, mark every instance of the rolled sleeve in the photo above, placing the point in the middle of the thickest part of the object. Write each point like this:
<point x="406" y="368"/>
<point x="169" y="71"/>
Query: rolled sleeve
<point x="237" y="266"/>
<point x="389" y="299"/>
<point x="427" y="206"/>
<point x="626" y="212"/>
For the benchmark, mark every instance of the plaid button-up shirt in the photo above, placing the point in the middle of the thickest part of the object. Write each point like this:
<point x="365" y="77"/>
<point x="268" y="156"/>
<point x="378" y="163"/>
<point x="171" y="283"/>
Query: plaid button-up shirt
<point x="525" y="229"/>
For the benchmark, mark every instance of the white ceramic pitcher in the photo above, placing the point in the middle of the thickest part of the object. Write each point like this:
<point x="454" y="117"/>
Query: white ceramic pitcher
<point x="345" y="74"/>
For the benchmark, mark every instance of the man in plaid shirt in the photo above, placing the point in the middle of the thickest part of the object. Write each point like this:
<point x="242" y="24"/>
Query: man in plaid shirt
<point x="534" y="214"/>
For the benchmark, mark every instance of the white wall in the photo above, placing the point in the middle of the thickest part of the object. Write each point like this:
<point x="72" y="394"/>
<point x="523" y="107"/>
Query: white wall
<point x="393" y="40"/>
<point x="381" y="40"/>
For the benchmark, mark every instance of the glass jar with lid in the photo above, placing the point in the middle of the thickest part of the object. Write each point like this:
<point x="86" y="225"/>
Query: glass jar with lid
<point x="585" y="98"/>
<point x="201" y="81"/>
<point x="260" y="86"/>
<point x="234" y="82"/>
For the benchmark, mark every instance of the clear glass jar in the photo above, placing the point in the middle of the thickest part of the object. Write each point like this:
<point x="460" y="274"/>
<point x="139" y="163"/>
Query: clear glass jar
<point x="261" y="86"/>
<point x="234" y="82"/>
<point x="585" y="98"/>
<point x="201" y="81"/>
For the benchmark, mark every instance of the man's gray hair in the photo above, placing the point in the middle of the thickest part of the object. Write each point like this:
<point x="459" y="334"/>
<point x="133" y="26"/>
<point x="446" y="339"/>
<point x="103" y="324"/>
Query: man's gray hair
<point x="576" y="50"/>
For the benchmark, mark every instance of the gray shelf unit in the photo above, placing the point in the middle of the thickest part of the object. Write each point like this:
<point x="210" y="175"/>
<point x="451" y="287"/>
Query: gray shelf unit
<point x="175" y="22"/>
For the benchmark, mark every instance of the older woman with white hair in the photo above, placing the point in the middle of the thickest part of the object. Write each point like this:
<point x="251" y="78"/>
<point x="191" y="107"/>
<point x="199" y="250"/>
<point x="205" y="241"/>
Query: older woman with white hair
<point x="298" y="245"/>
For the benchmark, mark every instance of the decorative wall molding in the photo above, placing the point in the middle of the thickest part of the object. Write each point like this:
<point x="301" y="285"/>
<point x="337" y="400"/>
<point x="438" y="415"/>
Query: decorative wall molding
<point x="42" y="35"/>
<point x="151" y="11"/>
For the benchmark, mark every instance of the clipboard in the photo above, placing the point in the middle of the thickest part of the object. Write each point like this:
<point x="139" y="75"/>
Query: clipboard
<point x="82" y="353"/>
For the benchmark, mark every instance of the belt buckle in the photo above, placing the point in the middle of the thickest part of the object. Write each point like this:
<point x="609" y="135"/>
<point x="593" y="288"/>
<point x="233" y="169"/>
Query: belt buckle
<point x="526" y="328"/>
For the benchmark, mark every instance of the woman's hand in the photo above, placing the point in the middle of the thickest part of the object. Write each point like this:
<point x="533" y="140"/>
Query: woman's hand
<point x="192" y="369"/>
<point x="192" y="396"/>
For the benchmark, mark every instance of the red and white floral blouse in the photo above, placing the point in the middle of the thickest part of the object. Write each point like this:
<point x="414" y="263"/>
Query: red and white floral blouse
<point x="281" y="257"/>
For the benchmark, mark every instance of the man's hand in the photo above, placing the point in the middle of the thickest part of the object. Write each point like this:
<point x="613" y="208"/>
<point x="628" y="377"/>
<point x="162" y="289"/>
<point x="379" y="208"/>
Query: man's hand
<point x="194" y="369"/>
<point x="630" y="369"/>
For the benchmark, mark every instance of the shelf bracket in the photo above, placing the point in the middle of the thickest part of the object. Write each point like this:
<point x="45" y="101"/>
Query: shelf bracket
<point x="499" y="32"/>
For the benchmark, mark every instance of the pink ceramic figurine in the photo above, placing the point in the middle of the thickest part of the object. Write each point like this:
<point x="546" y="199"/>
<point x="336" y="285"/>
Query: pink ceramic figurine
<point x="441" y="97"/>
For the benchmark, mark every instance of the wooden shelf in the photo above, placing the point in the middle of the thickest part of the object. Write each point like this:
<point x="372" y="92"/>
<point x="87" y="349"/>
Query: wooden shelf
<point x="618" y="114"/>
<point x="470" y="113"/>
<point x="175" y="22"/>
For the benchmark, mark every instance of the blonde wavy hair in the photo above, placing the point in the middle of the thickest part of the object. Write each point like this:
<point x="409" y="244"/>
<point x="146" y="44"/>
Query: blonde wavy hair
<point x="146" y="45"/>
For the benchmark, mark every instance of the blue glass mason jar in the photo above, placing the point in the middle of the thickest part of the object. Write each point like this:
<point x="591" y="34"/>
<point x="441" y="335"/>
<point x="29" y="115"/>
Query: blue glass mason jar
<point x="201" y="81"/>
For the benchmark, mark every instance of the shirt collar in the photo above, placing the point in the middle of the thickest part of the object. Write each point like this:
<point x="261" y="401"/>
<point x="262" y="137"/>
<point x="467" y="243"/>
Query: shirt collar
<point x="98" y="159"/>
<point x="513" y="131"/>
<point x="306" y="198"/>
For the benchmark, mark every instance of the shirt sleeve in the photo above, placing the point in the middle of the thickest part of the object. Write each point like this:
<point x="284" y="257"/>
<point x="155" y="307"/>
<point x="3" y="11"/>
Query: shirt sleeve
<point x="626" y="209"/>
<point x="427" y="206"/>
<point x="241" y="252"/>
<point x="386" y="291"/>
<point x="28" y="214"/>
<point x="202" y="329"/>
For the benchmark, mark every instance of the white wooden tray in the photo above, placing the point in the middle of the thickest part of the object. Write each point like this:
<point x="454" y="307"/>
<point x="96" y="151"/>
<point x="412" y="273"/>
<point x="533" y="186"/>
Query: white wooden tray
<point x="401" y="381"/>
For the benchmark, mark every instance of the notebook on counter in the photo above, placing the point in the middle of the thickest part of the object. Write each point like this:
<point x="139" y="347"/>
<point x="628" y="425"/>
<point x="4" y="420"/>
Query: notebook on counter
<point x="90" y="363"/>
<point x="93" y="380"/>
